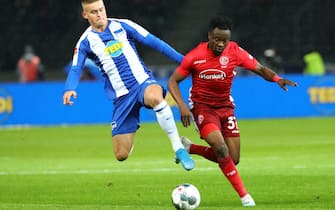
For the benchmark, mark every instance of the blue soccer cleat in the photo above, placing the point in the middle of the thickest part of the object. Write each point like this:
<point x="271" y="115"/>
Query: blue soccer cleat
<point x="184" y="158"/>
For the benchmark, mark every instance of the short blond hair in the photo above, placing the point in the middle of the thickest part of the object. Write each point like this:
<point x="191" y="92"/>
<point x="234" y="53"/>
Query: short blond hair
<point x="88" y="1"/>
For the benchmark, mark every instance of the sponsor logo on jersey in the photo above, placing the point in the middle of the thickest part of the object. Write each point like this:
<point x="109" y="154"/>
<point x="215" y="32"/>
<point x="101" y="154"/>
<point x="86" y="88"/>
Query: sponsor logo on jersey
<point x="114" y="48"/>
<point x="199" y="62"/>
<point x="212" y="74"/>
<point x="6" y="105"/>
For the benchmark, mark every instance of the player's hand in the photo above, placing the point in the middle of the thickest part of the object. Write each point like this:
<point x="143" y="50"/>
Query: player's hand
<point x="185" y="116"/>
<point x="283" y="82"/>
<point x="67" y="97"/>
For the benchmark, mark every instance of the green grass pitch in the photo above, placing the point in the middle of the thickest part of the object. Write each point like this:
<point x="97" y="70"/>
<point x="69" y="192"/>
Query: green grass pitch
<point x="285" y="164"/>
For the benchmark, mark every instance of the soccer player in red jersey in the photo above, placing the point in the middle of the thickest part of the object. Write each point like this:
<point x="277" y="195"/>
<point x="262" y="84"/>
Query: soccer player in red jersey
<point x="211" y="65"/>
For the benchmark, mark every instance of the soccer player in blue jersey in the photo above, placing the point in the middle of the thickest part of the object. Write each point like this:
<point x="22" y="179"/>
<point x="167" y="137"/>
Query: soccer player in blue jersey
<point x="110" y="43"/>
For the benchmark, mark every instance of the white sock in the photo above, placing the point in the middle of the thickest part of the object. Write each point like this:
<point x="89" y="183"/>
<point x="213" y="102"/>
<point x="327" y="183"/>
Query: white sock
<point x="166" y="121"/>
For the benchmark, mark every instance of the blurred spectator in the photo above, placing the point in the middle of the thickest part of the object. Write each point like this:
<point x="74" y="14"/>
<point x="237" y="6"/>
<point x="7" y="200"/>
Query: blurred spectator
<point x="314" y="64"/>
<point x="29" y="67"/>
<point x="270" y="59"/>
<point x="273" y="60"/>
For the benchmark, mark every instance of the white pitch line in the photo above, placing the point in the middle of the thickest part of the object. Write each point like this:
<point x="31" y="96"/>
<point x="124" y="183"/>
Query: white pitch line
<point x="136" y="170"/>
<point x="100" y="171"/>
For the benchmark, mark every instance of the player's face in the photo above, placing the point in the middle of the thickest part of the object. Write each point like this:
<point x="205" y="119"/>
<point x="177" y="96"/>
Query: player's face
<point x="218" y="40"/>
<point x="95" y="13"/>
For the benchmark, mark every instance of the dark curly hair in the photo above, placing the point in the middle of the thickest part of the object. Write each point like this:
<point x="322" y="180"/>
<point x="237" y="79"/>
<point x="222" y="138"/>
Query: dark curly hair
<point x="220" y="22"/>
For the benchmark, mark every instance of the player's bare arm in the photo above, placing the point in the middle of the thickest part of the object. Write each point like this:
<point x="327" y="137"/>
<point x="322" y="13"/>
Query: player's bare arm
<point x="67" y="97"/>
<point x="271" y="76"/>
<point x="173" y="85"/>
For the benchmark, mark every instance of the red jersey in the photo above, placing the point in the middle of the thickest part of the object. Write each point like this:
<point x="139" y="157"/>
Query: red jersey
<point x="212" y="75"/>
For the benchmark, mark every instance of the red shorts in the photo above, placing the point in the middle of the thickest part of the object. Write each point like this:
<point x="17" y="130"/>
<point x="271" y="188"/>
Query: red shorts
<point x="208" y="119"/>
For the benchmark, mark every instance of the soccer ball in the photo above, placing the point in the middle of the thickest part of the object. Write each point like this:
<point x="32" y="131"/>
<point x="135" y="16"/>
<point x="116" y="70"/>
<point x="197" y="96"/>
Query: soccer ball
<point x="185" y="197"/>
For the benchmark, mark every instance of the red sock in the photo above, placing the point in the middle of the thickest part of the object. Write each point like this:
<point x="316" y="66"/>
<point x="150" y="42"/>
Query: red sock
<point x="228" y="168"/>
<point x="206" y="152"/>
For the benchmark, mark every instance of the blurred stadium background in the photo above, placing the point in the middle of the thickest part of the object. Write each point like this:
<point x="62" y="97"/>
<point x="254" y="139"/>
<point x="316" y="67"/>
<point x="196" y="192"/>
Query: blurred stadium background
<point x="53" y="27"/>
<point x="292" y="27"/>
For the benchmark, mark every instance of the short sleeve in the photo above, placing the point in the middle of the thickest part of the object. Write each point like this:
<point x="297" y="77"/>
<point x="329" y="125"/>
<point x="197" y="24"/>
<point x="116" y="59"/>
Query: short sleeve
<point x="245" y="59"/>
<point x="185" y="67"/>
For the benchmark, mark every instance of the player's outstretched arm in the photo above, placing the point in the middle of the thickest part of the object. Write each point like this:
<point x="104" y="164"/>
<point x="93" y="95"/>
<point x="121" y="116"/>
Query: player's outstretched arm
<point x="67" y="97"/>
<point x="271" y="76"/>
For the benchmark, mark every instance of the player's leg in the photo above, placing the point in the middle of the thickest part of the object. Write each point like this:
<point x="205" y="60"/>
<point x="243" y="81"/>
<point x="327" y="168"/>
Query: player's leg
<point x="233" y="144"/>
<point x="208" y="152"/>
<point x="207" y="121"/>
<point x="125" y="122"/>
<point x="153" y="97"/>
<point x="227" y="166"/>
<point x="213" y="130"/>
<point x="197" y="149"/>
<point x="123" y="145"/>
<point x="204" y="120"/>
<point x="231" y="134"/>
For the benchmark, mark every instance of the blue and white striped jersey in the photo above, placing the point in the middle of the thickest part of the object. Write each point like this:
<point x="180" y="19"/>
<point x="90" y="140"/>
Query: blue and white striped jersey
<point x="115" y="53"/>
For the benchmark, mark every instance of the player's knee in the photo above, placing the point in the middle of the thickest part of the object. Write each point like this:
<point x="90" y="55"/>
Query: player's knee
<point x="222" y="150"/>
<point x="235" y="158"/>
<point x="154" y="101"/>
<point x="121" y="156"/>
<point x="153" y="96"/>
<point x="236" y="161"/>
